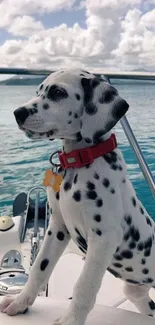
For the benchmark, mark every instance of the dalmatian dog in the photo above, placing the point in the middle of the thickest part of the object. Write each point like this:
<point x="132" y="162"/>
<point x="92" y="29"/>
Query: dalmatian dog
<point x="96" y="206"/>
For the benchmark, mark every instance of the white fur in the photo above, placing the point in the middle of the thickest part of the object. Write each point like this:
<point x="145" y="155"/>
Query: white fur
<point x="101" y="191"/>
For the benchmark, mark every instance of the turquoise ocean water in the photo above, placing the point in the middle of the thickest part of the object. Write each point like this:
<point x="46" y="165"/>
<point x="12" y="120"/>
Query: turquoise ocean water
<point x="23" y="161"/>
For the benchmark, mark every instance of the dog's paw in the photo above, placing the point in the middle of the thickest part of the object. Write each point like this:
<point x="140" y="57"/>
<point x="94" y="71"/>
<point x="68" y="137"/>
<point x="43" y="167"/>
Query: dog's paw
<point x="15" y="305"/>
<point x="69" y="319"/>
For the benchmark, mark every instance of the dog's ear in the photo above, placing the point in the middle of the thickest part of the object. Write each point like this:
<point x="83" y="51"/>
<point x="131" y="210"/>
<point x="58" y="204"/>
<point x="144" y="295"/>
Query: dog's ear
<point x="102" y="108"/>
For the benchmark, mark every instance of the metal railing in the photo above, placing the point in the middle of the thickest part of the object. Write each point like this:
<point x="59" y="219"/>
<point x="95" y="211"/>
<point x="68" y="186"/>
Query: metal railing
<point x="124" y="122"/>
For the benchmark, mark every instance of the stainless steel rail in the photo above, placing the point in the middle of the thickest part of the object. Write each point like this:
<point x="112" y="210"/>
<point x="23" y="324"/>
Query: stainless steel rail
<point x="136" y="148"/>
<point x="111" y="74"/>
<point x="124" y="122"/>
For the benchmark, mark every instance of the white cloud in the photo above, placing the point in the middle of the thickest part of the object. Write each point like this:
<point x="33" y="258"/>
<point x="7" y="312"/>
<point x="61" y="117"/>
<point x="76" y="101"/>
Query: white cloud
<point x="137" y="45"/>
<point x="25" y="26"/>
<point x="12" y="8"/>
<point x="117" y="35"/>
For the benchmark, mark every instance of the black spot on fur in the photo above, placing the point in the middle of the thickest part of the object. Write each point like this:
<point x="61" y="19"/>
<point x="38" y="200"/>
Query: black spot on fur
<point x="95" y="82"/>
<point x="41" y="87"/>
<point x="148" y="243"/>
<point x="75" y="115"/>
<point x="145" y="271"/>
<point x="133" y="201"/>
<point x="87" y="140"/>
<point x="132" y="281"/>
<point x="77" y="96"/>
<point x="141" y="210"/>
<point x="106" y="182"/>
<point x="111" y="157"/>
<point x="98" y="232"/>
<point x="91" y="109"/>
<point x="129" y="269"/>
<point x="47" y="87"/>
<point x="57" y="195"/>
<point x="49" y="233"/>
<point x="123" y="180"/>
<point x="152" y="305"/>
<point x="119" y="265"/>
<point x="96" y="176"/>
<point x="148" y="221"/>
<point x="112" y="191"/>
<point x="35" y="105"/>
<point x="128" y="219"/>
<point x="86" y="84"/>
<point x="113" y="272"/>
<point x="97" y="217"/>
<point x="69" y="113"/>
<point x="90" y="186"/>
<point x="132" y="245"/>
<point x="92" y="195"/>
<point x="114" y="166"/>
<point x="108" y="95"/>
<point x="126" y="236"/>
<point x="140" y="246"/>
<point x="60" y="235"/>
<point x="69" y="122"/>
<point x="97" y="136"/>
<point x="134" y="233"/>
<point x="78" y="137"/>
<point x="143" y="261"/>
<point x="82" y="250"/>
<point x="77" y="196"/>
<point x="118" y="257"/>
<point x="147" y="252"/>
<point x="99" y="203"/>
<point x="44" y="264"/>
<point x="81" y="241"/>
<point x="148" y="280"/>
<point x="77" y="231"/>
<point x="45" y="106"/>
<point x="31" y="111"/>
<point x="75" y="179"/>
<point x="67" y="186"/>
<point x="127" y="254"/>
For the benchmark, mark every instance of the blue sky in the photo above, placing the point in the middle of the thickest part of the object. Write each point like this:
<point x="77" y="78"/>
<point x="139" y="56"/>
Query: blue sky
<point x="51" y="20"/>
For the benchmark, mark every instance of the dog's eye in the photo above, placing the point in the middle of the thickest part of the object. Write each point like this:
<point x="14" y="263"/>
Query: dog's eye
<point x="56" y="93"/>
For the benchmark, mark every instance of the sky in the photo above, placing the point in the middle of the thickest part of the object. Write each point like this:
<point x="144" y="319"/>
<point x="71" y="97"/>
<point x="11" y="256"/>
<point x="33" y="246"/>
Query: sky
<point x="92" y="34"/>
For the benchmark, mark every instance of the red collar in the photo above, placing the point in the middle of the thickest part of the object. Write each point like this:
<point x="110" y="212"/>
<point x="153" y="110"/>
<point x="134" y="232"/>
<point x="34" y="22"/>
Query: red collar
<point x="82" y="157"/>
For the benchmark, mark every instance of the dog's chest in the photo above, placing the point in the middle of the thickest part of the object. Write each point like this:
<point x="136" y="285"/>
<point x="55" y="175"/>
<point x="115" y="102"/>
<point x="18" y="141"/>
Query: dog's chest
<point x="86" y="194"/>
<point x="72" y="208"/>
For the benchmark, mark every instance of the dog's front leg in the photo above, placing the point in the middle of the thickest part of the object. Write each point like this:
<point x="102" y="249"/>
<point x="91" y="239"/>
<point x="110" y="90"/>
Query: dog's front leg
<point x="56" y="240"/>
<point x="99" y="256"/>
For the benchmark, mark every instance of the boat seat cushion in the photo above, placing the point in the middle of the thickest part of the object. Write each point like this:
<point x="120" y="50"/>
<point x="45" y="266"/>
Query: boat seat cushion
<point x="46" y="310"/>
<point x="68" y="270"/>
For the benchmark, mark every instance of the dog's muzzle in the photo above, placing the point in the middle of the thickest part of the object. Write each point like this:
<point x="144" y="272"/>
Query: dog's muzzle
<point x="21" y="114"/>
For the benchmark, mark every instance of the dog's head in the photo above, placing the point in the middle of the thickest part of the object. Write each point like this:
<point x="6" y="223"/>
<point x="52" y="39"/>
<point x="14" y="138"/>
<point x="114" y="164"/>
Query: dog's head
<point x="72" y="104"/>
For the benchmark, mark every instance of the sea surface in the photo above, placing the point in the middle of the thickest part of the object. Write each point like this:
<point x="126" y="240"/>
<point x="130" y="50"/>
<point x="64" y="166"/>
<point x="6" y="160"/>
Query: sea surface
<point x="23" y="161"/>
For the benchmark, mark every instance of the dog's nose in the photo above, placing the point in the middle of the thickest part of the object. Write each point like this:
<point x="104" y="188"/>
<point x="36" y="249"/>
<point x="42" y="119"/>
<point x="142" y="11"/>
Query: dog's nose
<point x="21" y="115"/>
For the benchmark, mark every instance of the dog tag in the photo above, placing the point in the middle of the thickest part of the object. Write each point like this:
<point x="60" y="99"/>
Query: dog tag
<point x="52" y="179"/>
